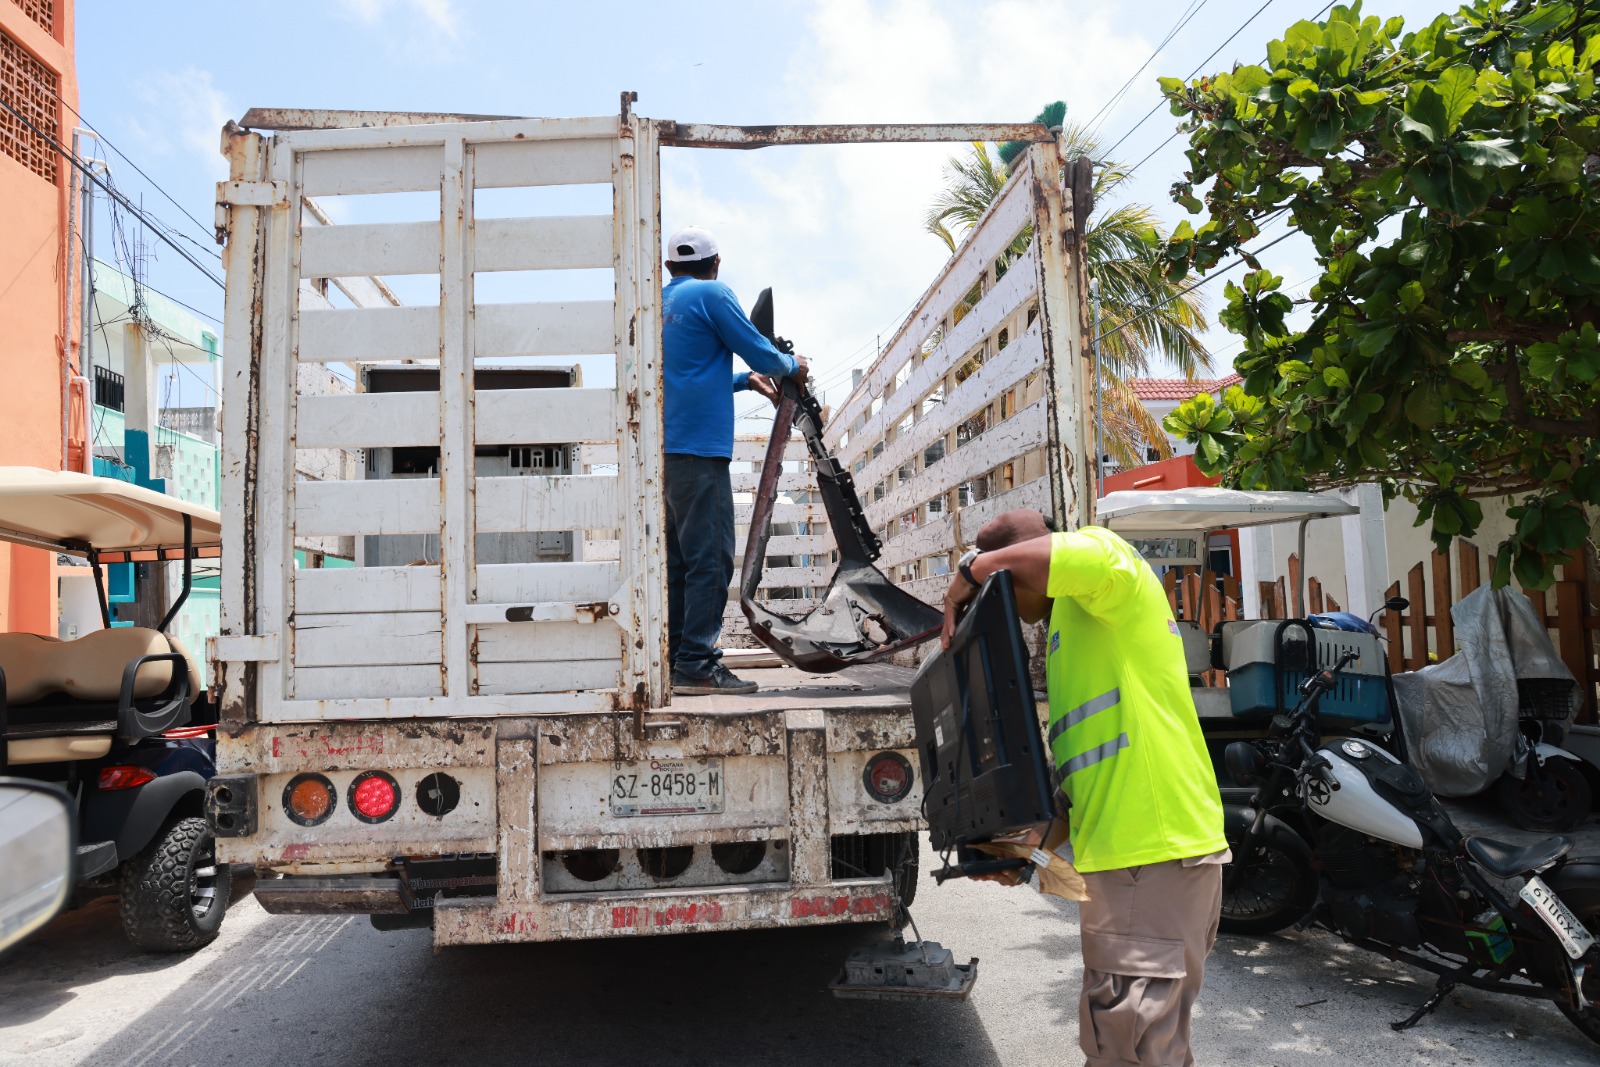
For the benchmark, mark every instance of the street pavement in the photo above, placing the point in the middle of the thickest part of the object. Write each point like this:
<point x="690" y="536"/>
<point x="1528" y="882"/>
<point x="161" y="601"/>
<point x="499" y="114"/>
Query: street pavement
<point x="325" y="990"/>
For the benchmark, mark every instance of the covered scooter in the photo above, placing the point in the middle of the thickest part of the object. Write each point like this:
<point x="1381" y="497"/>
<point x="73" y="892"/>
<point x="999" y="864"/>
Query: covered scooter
<point x="1495" y="711"/>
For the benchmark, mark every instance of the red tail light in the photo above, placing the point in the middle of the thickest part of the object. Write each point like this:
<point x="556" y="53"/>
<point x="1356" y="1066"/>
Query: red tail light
<point x="124" y="777"/>
<point x="888" y="777"/>
<point x="374" y="796"/>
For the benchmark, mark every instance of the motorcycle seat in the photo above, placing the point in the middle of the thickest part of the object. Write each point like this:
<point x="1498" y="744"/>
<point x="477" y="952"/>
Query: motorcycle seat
<point x="1508" y="861"/>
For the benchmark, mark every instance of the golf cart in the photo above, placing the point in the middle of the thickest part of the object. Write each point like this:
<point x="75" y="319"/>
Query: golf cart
<point x="1263" y="662"/>
<point x="119" y="717"/>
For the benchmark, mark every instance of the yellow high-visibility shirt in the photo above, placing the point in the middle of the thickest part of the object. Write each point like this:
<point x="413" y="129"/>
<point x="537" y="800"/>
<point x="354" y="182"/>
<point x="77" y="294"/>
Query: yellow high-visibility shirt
<point x="1128" y="751"/>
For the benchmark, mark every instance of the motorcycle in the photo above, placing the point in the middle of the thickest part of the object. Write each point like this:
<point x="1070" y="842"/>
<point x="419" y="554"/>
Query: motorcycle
<point x="1346" y="837"/>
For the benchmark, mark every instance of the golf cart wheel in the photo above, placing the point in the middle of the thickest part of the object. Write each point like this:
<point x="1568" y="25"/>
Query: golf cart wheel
<point x="174" y="893"/>
<point x="1554" y="797"/>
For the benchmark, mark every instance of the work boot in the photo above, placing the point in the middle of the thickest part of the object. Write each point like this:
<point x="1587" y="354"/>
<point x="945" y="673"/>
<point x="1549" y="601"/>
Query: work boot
<point x="720" y="680"/>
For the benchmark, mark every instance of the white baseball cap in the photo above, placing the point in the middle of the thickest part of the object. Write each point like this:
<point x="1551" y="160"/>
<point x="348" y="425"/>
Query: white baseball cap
<point x="689" y="244"/>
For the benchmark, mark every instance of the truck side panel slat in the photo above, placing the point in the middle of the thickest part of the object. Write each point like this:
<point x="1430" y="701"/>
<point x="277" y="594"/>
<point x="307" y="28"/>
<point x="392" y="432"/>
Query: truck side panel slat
<point x="380" y="248"/>
<point x="547" y="676"/>
<point x="374" y="588"/>
<point x="571" y="328"/>
<point x="533" y="583"/>
<point x="366" y="638"/>
<point x="562" y="502"/>
<point x="547" y="642"/>
<point x="505" y="164"/>
<point x="403" y="505"/>
<point x="537" y="416"/>
<point x="377" y="683"/>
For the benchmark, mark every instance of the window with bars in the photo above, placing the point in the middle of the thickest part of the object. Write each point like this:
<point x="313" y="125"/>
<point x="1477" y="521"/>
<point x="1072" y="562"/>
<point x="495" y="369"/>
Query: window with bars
<point x="30" y="87"/>
<point x="41" y="11"/>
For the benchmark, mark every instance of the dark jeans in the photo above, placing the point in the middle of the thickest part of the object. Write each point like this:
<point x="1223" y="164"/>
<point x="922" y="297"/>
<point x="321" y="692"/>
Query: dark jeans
<point x="699" y="498"/>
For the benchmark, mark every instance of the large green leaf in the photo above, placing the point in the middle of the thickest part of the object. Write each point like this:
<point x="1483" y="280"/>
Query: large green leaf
<point x="1458" y="91"/>
<point x="1491" y="152"/>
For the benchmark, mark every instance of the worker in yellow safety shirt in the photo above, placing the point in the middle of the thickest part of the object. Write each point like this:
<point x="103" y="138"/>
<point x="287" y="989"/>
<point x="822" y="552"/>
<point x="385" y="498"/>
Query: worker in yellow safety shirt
<point x="1132" y="769"/>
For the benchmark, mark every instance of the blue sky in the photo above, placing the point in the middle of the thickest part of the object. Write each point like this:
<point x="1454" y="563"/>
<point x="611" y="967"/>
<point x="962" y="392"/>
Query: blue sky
<point x="836" y="231"/>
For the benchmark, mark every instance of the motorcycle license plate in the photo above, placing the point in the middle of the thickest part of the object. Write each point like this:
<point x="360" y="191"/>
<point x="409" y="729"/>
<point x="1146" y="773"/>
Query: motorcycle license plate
<point x="667" y="787"/>
<point x="1542" y="899"/>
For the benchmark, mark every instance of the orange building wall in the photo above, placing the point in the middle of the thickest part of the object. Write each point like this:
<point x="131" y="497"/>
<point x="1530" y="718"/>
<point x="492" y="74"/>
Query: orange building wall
<point x="33" y="225"/>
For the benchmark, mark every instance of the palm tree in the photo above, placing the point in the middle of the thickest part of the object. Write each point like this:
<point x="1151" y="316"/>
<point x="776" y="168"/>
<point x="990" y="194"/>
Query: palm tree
<point x="1125" y="256"/>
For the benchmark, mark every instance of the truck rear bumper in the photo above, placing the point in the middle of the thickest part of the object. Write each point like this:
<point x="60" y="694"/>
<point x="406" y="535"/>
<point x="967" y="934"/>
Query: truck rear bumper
<point x="472" y="922"/>
<point x="353" y="894"/>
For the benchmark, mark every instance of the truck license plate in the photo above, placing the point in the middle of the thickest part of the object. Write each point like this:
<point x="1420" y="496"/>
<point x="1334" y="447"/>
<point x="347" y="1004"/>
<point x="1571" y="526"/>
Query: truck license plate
<point x="1574" y="938"/>
<point x="667" y="787"/>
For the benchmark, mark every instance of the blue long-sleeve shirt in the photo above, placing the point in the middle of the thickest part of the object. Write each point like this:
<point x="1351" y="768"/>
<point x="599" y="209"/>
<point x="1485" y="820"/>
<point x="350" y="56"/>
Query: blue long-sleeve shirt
<point x="703" y="328"/>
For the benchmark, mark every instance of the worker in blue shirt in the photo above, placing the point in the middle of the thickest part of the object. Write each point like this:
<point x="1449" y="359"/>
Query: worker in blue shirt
<point x="703" y="328"/>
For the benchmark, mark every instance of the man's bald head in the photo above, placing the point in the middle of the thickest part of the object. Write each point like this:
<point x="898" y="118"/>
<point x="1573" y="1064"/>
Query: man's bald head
<point x="1012" y="527"/>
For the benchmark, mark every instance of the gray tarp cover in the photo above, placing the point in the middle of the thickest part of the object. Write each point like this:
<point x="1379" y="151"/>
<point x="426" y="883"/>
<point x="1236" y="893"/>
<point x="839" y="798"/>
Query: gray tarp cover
<point x="1460" y="716"/>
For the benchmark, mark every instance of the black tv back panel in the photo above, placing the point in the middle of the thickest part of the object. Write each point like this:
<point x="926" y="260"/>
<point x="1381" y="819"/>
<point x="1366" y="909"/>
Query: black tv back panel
<point x="984" y="770"/>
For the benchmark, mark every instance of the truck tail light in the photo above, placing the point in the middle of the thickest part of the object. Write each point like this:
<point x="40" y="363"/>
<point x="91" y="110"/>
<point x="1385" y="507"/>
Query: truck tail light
<point x="888" y="777"/>
<point x="125" y="777"/>
<point x="308" y="799"/>
<point x="374" y="796"/>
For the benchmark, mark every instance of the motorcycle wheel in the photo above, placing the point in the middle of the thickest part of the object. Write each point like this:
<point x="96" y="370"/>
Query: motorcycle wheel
<point x="1273" y="887"/>
<point x="1552" y="798"/>
<point x="1584" y="902"/>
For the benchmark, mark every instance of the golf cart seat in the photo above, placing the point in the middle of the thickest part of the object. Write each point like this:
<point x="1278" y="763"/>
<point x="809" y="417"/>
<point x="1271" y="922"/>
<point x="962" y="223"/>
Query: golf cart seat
<point x="67" y="700"/>
<point x="1210" y="702"/>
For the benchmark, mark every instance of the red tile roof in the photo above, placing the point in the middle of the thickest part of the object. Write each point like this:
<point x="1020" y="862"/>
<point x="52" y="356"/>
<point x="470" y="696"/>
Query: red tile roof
<point x="1179" y="388"/>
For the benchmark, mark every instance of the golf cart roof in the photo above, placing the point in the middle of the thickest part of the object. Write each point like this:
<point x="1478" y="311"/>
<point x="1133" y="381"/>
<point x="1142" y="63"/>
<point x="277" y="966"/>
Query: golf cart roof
<point x="1132" y="513"/>
<point x="63" y="511"/>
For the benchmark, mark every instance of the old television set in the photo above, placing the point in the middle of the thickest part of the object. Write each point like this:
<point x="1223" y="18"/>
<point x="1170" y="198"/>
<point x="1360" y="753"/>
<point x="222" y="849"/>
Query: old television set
<point x="984" y="770"/>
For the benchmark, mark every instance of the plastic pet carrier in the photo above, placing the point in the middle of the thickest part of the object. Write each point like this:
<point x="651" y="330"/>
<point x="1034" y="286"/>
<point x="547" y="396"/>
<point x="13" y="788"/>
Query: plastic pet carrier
<point x="1268" y="660"/>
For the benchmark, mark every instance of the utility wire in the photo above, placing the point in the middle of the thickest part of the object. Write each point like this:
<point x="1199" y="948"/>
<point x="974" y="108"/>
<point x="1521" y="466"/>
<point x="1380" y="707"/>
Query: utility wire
<point x="115" y="195"/>
<point x="1198" y="68"/>
<point x="1186" y="290"/>
<point x="1184" y="19"/>
<point x="140" y="171"/>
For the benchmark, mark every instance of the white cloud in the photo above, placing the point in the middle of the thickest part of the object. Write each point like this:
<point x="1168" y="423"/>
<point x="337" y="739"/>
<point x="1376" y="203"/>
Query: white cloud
<point x="440" y="15"/>
<point x="183" y="112"/>
<point x="839" y="229"/>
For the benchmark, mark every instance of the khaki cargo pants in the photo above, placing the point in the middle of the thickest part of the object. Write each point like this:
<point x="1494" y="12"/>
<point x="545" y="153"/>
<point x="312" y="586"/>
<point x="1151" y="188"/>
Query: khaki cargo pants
<point x="1146" y="934"/>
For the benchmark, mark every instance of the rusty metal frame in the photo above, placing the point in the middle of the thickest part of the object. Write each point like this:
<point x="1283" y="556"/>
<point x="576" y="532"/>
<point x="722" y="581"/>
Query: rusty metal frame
<point x="671" y="133"/>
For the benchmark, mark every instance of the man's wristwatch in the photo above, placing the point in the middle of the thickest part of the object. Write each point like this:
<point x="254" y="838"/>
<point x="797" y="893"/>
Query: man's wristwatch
<point x="965" y="567"/>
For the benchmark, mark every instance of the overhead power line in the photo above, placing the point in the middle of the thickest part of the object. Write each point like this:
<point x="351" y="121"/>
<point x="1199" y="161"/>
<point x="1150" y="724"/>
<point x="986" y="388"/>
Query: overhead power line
<point x="115" y="195"/>
<point x="1198" y="68"/>
<point x="1194" y="8"/>
<point x="140" y="171"/>
<point x="1186" y="290"/>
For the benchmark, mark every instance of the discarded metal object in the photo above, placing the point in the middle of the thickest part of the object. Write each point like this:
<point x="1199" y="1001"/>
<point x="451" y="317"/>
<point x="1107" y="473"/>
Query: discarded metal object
<point x="863" y="616"/>
<point x="918" y="970"/>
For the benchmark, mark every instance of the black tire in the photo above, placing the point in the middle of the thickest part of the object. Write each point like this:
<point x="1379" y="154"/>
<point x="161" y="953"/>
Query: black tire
<point x="175" y="893"/>
<point x="1579" y="891"/>
<point x="1273" y="886"/>
<point x="1551" y="798"/>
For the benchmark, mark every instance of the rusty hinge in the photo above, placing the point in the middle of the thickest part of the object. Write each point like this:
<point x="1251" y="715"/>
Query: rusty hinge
<point x="254" y="194"/>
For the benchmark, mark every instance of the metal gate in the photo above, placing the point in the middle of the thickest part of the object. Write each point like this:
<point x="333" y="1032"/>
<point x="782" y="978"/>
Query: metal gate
<point x="452" y="637"/>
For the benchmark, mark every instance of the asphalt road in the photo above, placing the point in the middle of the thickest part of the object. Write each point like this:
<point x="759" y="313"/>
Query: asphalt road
<point x="287" y="990"/>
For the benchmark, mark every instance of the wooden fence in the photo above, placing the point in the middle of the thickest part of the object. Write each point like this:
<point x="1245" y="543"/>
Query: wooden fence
<point x="1424" y="632"/>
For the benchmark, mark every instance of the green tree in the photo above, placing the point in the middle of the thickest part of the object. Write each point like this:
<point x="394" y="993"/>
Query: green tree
<point x="1446" y="179"/>
<point x="1126" y="256"/>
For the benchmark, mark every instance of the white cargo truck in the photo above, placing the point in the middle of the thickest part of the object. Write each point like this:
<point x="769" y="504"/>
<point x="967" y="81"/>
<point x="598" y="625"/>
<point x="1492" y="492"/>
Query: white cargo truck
<point x="469" y="739"/>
